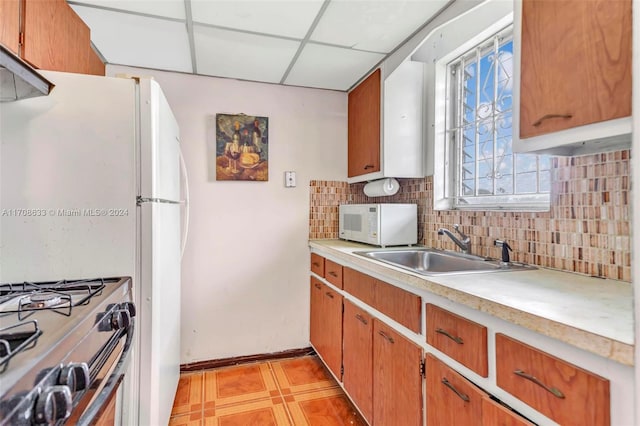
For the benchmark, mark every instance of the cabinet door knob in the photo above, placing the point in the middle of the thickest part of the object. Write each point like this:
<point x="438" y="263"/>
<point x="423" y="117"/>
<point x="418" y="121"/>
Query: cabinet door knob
<point x="555" y="391"/>
<point x="317" y="286"/>
<point x="329" y="295"/>
<point x="462" y="396"/>
<point x="368" y="166"/>
<point x="333" y="274"/>
<point x="548" y="116"/>
<point x="456" y="339"/>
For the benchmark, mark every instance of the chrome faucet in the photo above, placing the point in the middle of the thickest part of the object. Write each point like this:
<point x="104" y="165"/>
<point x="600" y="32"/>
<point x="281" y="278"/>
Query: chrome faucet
<point x="465" y="244"/>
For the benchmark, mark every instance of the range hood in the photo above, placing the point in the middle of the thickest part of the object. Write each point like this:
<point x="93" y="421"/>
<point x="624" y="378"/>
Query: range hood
<point x="18" y="79"/>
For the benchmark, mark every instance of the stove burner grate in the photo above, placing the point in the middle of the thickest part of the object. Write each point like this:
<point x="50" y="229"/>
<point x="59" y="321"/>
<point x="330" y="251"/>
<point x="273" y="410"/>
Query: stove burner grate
<point x="58" y="296"/>
<point x="15" y="339"/>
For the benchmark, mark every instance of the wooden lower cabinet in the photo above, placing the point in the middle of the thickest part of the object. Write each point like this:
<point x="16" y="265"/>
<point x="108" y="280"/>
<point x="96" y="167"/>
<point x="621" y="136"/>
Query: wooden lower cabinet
<point x="561" y="391"/>
<point x="452" y="400"/>
<point x="357" y="359"/>
<point x="326" y="325"/>
<point x="397" y="378"/>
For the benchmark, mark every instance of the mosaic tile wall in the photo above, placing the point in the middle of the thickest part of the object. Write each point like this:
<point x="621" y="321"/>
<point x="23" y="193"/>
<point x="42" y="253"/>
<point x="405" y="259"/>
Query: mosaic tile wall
<point x="587" y="229"/>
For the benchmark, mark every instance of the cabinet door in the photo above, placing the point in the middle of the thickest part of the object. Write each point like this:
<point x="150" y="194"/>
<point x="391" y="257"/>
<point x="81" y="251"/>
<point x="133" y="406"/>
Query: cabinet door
<point x="461" y="339"/>
<point x="315" y="313"/>
<point x="561" y="391"/>
<point x="364" y="127"/>
<point x="55" y="38"/>
<point x="494" y="414"/>
<point x="451" y="399"/>
<point x="575" y="64"/>
<point x="317" y="264"/>
<point x="357" y="358"/>
<point x="10" y="24"/>
<point x="333" y="273"/>
<point x="397" y="379"/>
<point x="332" y="329"/>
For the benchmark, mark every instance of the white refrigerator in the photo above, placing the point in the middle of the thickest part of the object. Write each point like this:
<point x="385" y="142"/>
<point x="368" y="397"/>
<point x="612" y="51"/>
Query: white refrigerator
<point x="90" y="185"/>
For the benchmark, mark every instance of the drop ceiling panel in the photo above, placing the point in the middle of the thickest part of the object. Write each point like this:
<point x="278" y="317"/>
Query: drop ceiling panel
<point x="330" y="67"/>
<point x="376" y="26"/>
<point x="140" y="41"/>
<point x="166" y="8"/>
<point x="240" y="55"/>
<point x="282" y="18"/>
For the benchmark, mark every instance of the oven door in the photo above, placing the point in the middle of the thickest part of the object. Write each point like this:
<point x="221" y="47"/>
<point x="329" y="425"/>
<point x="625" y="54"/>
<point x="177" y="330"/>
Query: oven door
<point x="108" y="367"/>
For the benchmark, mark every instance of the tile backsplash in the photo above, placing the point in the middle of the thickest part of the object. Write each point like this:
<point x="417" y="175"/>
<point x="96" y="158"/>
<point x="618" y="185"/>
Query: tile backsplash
<point x="586" y="230"/>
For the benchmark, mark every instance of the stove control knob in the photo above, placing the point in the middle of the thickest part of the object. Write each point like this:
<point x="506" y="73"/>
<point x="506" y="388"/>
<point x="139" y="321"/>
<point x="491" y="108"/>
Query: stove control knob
<point x="129" y="307"/>
<point x="75" y="376"/>
<point x="120" y="319"/>
<point x="53" y="404"/>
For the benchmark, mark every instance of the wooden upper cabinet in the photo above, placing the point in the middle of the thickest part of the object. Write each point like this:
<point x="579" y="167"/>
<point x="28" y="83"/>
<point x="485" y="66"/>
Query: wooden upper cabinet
<point x="364" y="127"/>
<point x="575" y="66"/>
<point x="461" y="339"/>
<point x="561" y="391"/>
<point x="55" y="38"/>
<point x="10" y="24"/>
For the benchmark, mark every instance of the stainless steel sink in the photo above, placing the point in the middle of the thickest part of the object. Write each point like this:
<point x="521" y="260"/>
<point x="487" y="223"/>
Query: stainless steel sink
<point x="428" y="261"/>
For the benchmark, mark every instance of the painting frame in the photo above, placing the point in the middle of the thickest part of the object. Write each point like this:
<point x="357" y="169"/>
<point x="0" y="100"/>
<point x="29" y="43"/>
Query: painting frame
<point x="241" y="147"/>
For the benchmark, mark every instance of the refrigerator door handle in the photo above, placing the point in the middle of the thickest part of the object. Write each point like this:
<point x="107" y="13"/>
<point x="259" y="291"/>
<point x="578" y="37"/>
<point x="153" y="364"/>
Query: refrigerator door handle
<point x="183" y="169"/>
<point x="140" y="200"/>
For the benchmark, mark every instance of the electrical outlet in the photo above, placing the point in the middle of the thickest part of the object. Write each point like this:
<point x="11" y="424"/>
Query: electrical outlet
<point x="289" y="179"/>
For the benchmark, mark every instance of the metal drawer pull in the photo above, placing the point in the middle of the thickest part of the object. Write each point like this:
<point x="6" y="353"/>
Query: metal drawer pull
<point x="317" y="286"/>
<point x="389" y="338"/>
<point x="329" y="294"/>
<point x="361" y="319"/>
<point x="555" y="391"/>
<point x="458" y="340"/>
<point x="462" y="396"/>
<point x="333" y="274"/>
<point x="545" y="117"/>
<point x="368" y="166"/>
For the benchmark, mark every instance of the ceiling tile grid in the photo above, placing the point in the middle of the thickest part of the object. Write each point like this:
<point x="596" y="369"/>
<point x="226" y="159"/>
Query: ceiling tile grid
<point x="327" y="44"/>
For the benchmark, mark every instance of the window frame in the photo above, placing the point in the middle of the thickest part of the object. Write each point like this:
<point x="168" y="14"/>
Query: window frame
<point x="445" y="180"/>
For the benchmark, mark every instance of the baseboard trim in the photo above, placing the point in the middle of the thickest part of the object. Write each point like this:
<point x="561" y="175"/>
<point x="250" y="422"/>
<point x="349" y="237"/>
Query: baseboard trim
<point x="225" y="362"/>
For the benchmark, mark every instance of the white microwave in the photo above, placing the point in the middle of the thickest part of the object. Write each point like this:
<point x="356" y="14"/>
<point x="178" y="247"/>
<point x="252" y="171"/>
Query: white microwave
<point x="379" y="224"/>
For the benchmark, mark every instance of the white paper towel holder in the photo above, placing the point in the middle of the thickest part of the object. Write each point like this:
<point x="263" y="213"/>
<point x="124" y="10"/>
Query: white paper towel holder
<point x="381" y="187"/>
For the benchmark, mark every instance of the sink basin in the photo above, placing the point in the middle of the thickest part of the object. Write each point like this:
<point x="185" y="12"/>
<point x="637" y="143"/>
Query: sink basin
<point x="428" y="261"/>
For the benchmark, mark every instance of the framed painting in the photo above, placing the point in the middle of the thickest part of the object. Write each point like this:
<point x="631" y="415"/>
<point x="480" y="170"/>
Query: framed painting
<point x="241" y="147"/>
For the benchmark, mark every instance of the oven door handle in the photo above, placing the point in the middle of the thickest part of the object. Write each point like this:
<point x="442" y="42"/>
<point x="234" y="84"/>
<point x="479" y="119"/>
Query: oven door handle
<point x="93" y="410"/>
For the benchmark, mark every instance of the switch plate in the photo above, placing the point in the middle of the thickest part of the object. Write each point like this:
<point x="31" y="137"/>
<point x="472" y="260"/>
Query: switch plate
<point x="289" y="179"/>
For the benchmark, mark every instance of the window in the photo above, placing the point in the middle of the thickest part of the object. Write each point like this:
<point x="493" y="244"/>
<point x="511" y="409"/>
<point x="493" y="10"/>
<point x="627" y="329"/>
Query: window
<point x="480" y="170"/>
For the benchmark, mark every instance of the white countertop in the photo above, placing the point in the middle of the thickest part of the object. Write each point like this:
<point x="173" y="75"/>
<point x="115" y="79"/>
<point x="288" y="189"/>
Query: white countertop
<point x="593" y="314"/>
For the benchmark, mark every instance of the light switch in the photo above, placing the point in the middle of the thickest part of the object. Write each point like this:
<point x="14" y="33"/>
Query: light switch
<point x="289" y="179"/>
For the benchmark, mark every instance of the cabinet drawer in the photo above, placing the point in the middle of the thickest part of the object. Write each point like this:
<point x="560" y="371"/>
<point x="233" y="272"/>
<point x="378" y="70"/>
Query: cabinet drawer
<point x="399" y="305"/>
<point x="359" y="285"/>
<point x="396" y="303"/>
<point x="333" y="272"/>
<point x="317" y="264"/>
<point x="461" y="339"/>
<point x="563" y="392"/>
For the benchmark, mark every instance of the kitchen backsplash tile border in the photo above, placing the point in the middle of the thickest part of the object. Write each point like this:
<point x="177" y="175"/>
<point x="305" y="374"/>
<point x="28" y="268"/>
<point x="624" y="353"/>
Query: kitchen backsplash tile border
<point x="586" y="230"/>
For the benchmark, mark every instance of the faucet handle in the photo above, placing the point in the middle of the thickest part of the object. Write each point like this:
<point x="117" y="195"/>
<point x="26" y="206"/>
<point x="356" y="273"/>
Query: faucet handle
<point x="456" y="227"/>
<point x="506" y="248"/>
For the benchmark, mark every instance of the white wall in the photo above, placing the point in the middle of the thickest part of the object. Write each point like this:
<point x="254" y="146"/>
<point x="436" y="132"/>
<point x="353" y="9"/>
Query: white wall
<point x="245" y="268"/>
